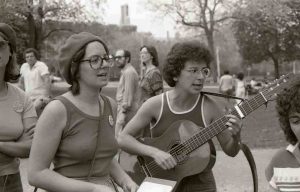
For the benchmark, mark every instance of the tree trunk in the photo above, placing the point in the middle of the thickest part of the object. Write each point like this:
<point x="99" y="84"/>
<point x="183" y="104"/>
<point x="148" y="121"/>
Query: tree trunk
<point x="31" y="31"/>
<point x="276" y="65"/>
<point x="211" y="46"/>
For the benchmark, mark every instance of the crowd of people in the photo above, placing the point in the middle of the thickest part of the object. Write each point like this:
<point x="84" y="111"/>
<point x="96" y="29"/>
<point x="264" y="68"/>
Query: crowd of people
<point x="82" y="131"/>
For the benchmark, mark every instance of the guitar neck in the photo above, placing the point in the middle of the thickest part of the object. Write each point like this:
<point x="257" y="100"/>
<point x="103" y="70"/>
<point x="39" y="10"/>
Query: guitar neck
<point x="242" y="110"/>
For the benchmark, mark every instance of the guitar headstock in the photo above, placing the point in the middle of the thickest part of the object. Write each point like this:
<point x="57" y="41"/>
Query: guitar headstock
<point x="278" y="85"/>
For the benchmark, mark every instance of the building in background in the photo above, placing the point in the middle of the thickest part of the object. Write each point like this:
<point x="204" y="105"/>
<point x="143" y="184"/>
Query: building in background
<point x="125" y="19"/>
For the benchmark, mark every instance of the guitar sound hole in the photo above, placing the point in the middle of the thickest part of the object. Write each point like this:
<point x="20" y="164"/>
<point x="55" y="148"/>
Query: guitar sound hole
<point x="179" y="152"/>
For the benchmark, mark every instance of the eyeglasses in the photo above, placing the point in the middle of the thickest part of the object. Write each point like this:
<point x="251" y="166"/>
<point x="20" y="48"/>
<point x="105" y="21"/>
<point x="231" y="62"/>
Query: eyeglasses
<point x="96" y="61"/>
<point x="3" y="44"/>
<point x="118" y="57"/>
<point x="205" y="71"/>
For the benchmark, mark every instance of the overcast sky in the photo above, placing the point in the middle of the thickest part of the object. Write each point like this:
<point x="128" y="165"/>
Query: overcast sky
<point x="145" y="20"/>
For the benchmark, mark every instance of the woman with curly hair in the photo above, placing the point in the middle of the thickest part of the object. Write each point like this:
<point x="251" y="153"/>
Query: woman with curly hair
<point x="283" y="172"/>
<point x="186" y="69"/>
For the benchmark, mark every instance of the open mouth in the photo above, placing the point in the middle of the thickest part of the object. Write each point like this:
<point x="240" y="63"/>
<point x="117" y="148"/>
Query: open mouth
<point x="197" y="85"/>
<point x="102" y="75"/>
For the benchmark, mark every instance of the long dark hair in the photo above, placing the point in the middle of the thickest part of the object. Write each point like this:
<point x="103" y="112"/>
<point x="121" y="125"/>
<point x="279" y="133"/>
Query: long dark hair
<point x="12" y="72"/>
<point x="153" y="53"/>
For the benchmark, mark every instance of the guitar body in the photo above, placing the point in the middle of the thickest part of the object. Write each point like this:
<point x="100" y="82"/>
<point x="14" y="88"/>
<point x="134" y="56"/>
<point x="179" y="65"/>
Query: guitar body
<point x="191" y="145"/>
<point x="188" y="164"/>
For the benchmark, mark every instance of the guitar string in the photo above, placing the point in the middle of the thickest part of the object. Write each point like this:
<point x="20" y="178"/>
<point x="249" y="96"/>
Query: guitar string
<point x="153" y="167"/>
<point x="180" y="148"/>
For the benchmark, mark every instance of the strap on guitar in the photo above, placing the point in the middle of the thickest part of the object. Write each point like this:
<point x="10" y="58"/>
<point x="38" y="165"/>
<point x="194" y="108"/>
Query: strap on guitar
<point x="243" y="147"/>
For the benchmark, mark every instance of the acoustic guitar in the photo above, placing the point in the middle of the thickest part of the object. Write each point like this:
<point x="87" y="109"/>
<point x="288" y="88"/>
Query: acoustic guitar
<point x="187" y="142"/>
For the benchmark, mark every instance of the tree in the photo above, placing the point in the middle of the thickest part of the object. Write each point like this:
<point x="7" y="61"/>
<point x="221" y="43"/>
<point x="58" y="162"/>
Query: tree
<point x="202" y="14"/>
<point x="30" y="16"/>
<point x="269" y="30"/>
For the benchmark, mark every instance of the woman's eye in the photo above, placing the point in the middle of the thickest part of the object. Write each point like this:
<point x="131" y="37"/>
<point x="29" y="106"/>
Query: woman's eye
<point x="295" y="121"/>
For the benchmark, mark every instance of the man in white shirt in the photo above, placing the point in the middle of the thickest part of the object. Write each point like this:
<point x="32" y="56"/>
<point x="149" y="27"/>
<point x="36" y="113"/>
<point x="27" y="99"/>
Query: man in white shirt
<point x="126" y="96"/>
<point x="227" y="84"/>
<point x="35" y="79"/>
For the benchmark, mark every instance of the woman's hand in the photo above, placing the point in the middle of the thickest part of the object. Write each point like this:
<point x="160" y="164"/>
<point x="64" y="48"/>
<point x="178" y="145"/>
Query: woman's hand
<point x="130" y="186"/>
<point x="234" y="126"/>
<point x="164" y="160"/>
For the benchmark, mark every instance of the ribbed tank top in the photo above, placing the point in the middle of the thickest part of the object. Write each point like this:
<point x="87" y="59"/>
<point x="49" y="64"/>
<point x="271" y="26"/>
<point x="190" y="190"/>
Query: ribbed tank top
<point x="79" y="139"/>
<point x="169" y="116"/>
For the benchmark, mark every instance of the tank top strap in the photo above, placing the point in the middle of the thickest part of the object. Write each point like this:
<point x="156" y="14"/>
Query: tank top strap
<point x="107" y="105"/>
<point x="68" y="106"/>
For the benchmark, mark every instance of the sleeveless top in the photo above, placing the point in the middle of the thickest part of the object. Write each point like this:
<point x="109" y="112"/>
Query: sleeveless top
<point x="168" y="116"/>
<point x="204" y="180"/>
<point x="283" y="172"/>
<point x="151" y="84"/>
<point x="79" y="139"/>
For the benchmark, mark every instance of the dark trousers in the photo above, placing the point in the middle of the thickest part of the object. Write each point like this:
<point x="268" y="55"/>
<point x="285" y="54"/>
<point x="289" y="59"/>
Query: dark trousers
<point x="203" y="182"/>
<point x="11" y="183"/>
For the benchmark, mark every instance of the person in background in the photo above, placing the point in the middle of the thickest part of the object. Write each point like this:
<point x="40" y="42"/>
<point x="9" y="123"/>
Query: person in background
<point x="226" y="85"/>
<point x="186" y="69"/>
<point x="151" y="82"/>
<point x="17" y="115"/>
<point x="126" y="96"/>
<point x="35" y="79"/>
<point x="76" y="130"/>
<point x="240" y="88"/>
<point x="283" y="171"/>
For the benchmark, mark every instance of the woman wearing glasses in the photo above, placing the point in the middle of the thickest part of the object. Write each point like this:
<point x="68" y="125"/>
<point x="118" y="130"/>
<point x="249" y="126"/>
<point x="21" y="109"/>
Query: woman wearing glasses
<point x="186" y="69"/>
<point x="151" y="82"/>
<point x="17" y="115"/>
<point x="76" y="130"/>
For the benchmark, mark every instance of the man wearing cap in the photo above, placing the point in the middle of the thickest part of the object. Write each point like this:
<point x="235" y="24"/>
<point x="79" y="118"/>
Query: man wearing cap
<point x="126" y="96"/>
<point x="35" y="79"/>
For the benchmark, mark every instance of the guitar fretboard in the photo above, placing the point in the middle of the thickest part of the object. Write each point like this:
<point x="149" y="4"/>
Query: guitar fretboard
<point x="197" y="140"/>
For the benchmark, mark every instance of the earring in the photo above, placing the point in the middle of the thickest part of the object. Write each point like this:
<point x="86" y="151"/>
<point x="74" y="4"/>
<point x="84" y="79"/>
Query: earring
<point x="175" y="79"/>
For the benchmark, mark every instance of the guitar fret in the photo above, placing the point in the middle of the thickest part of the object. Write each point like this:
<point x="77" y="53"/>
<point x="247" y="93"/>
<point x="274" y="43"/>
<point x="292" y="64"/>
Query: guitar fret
<point x="205" y="134"/>
<point x="242" y="109"/>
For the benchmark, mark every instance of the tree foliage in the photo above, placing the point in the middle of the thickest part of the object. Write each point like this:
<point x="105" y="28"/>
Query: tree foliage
<point x="206" y="15"/>
<point x="268" y="29"/>
<point x="28" y="17"/>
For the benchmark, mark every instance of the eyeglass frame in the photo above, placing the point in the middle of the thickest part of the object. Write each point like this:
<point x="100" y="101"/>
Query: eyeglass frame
<point x="118" y="57"/>
<point x="197" y="71"/>
<point x="99" y="58"/>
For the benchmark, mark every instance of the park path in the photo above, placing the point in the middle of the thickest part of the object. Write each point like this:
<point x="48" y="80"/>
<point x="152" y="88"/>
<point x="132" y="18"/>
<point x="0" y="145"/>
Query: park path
<point x="232" y="174"/>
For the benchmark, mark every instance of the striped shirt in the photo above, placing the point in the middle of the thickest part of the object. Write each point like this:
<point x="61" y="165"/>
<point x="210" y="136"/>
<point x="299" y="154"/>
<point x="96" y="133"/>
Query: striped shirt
<point x="283" y="172"/>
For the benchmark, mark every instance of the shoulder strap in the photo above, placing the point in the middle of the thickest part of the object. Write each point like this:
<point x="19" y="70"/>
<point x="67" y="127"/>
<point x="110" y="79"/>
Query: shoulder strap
<point x="244" y="147"/>
<point x="221" y="95"/>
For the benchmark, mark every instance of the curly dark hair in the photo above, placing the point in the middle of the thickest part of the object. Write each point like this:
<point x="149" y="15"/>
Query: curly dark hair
<point x="32" y="50"/>
<point x="287" y="103"/>
<point x="179" y="54"/>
